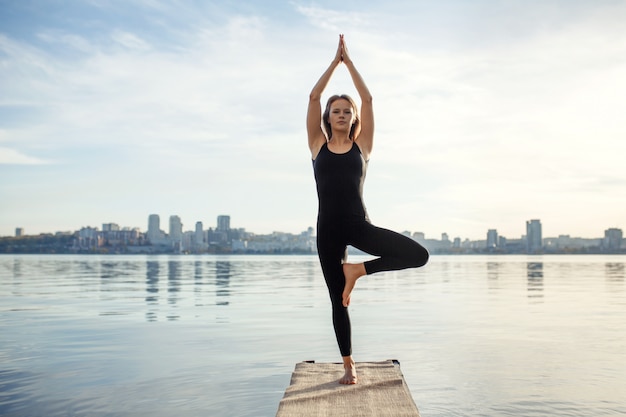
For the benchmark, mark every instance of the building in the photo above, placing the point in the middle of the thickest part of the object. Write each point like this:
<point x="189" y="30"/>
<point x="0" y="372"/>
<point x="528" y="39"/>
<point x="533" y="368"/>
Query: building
<point x="110" y="227"/>
<point x="277" y="242"/>
<point x="223" y="223"/>
<point x="492" y="238"/>
<point x="199" y="234"/>
<point x="176" y="229"/>
<point x="568" y="244"/>
<point x="612" y="239"/>
<point x="89" y="238"/>
<point x="533" y="236"/>
<point x="187" y="243"/>
<point x="155" y="235"/>
<point x="19" y="231"/>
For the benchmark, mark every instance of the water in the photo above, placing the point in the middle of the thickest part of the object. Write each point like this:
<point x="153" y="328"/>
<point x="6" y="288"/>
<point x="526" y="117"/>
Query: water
<point x="220" y="336"/>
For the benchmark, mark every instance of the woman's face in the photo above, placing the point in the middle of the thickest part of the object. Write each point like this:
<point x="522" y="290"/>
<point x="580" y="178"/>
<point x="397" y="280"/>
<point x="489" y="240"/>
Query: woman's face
<point x="341" y="115"/>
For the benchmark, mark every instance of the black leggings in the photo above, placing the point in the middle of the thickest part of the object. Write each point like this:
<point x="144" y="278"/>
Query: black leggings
<point x="394" y="252"/>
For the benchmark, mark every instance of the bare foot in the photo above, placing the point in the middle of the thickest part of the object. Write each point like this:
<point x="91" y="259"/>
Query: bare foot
<point x="352" y="272"/>
<point x="349" y="377"/>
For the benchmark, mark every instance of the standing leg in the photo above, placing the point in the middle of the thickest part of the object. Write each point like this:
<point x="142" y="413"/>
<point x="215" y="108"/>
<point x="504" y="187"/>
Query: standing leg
<point x="332" y="253"/>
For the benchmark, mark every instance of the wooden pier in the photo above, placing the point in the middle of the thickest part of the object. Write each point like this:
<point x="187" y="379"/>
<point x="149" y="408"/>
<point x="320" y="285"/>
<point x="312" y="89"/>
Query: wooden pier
<point x="314" y="391"/>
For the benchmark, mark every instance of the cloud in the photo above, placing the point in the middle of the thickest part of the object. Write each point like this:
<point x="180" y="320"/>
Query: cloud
<point x="130" y="40"/>
<point x="10" y="156"/>
<point x="62" y="38"/>
<point x="333" y="20"/>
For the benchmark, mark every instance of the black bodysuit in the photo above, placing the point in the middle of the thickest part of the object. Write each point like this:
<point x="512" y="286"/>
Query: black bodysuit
<point x="342" y="220"/>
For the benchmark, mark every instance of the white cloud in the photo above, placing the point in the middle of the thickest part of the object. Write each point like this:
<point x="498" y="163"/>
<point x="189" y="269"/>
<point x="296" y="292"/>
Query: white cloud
<point x="10" y="156"/>
<point x="334" y="20"/>
<point x="130" y="40"/>
<point x="71" y="40"/>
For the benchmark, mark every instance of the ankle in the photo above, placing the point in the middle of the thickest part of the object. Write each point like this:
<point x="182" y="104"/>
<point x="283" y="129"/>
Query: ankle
<point x="348" y="363"/>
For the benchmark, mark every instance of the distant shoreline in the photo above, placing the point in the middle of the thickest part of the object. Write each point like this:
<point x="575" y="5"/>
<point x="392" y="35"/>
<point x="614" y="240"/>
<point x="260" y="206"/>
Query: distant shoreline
<point x="237" y="254"/>
<point x="283" y="244"/>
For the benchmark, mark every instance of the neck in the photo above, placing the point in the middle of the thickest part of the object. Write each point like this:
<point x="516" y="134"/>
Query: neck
<point x="340" y="138"/>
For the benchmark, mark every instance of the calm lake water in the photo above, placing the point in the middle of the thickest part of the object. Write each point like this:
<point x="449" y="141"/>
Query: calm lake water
<point x="220" y="335"/>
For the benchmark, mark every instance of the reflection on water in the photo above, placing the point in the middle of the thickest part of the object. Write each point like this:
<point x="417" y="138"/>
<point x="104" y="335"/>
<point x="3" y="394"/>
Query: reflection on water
<point x="108" y="271"/>
<point x="161" y="335"/>
<point x="209" y="278"/>
<point x="614" y="271"/>
<point x="17" y="268"/>
<point x="222" y="280"/>
<point x="152" y="290"/>
<point x="173" y="287"/>
<point x="534" y="272"/>
<point x="492" y="270"/>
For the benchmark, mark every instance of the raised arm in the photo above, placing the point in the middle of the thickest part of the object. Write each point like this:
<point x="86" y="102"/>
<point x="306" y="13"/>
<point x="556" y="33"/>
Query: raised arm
<point x="364" y="138"/>
<point x="314" y="113"/>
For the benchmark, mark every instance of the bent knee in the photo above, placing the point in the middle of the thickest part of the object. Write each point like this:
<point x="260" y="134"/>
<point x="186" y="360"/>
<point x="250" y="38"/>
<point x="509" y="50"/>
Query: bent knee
<point x="421" y="257"/>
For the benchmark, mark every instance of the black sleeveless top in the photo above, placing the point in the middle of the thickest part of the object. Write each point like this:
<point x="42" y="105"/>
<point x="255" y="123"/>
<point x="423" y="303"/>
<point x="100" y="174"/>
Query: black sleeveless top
<point x="339" y="179"/>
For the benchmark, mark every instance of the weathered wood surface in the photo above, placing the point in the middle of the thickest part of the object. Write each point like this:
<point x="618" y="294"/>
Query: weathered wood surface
<point x="314" y="391"/>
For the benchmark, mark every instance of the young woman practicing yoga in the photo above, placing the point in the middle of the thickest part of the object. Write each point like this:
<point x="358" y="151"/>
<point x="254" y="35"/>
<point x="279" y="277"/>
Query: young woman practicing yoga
<point x="341" y="142"/>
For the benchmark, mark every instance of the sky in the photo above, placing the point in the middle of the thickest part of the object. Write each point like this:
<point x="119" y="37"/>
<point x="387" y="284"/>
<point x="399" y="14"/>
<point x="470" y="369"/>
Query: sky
<point x="488" y="113"/>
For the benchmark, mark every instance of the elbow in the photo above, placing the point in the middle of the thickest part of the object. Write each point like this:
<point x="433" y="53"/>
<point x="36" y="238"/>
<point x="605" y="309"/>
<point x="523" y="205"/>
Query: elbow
<point x="315" y="96"/>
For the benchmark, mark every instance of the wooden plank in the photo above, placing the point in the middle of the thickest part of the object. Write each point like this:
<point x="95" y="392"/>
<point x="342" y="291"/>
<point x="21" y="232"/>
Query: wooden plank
<point x="314" y="391"/>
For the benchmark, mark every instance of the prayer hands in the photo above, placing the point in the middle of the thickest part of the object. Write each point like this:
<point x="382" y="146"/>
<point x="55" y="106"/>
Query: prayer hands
<point x="342" y="51"/>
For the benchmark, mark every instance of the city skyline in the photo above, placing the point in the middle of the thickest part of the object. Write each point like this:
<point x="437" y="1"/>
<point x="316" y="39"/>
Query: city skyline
<point x="114" y="239"/>
<point x="531" y="229"/>
<point x="488" y="114"/>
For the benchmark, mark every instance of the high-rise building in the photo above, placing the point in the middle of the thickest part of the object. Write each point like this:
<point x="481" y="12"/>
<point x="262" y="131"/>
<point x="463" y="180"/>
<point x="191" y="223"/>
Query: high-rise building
<point x="19" y="232"/>
<point x="154" y="229"/>
<point x="612" y="239"/>
<point x="199" y="234"/>
<point x="492" y="238"/>
<point x="445" y="241"/>
<point x="533" y="236"/>
<point x="176" y="229"/>
<point x="223" y="223"/>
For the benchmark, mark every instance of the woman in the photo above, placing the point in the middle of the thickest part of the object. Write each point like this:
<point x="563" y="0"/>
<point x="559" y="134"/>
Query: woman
<point x="340" y="152"/>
